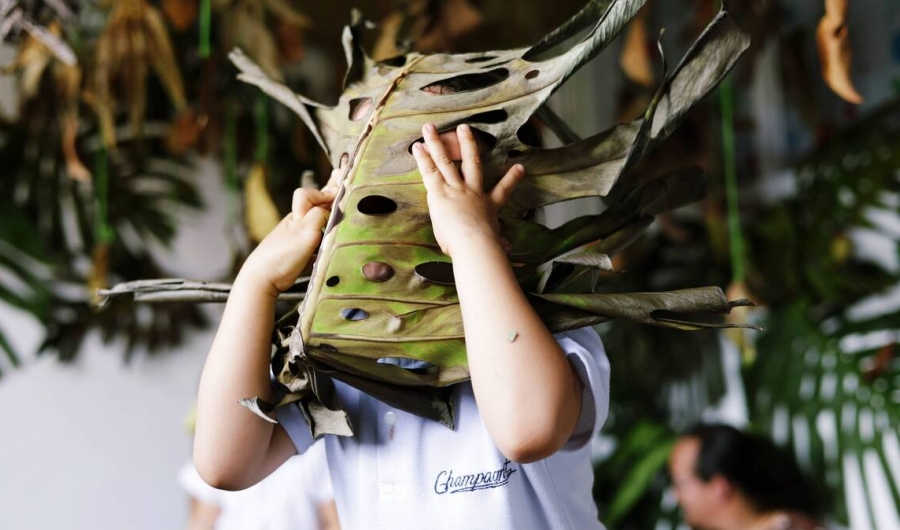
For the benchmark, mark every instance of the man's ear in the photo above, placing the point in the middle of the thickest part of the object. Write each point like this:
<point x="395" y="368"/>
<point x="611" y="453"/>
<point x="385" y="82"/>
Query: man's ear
<point x="722" y="490"/>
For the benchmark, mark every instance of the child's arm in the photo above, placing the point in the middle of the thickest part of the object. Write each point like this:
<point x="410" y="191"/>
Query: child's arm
<point x="233" y="448"/>
<point x="526" y="390"/>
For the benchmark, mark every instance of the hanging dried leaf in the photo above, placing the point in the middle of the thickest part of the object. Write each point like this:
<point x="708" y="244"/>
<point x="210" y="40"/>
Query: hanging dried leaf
<point x="182" y="14"/>
<point x="184" y="132"/>
<point x="99" y="276"/>
<point x="833" y="40"/>
<point x="635" y="58"/>
<point x="350" y="318"/>
<point x="745" y="343"/>
<point x="261" y="214"/>
<point x="244" y="26"/>
<point x="134" y="42"/>
<point x="282" y="10"/>
<point x="31" y="60"/>
<point x="398" y="30"/>
<point x="35" y="59"/>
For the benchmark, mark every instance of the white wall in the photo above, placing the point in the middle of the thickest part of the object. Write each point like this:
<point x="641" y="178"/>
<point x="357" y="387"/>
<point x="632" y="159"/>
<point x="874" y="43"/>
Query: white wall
<point x="96" y="444"/>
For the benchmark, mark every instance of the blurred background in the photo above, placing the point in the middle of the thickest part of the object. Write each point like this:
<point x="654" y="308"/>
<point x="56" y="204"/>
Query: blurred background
<point x="128" y="151"/>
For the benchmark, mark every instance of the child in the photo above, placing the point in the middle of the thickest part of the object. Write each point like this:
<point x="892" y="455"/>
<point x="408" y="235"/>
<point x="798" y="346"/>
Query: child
<point x="519" y="457"/>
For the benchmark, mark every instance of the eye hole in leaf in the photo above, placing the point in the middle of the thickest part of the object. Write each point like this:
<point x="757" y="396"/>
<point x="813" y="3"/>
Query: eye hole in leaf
<point x="354" y="314"/>
<point x="467" y="82"/>
<point x="514" y="153"/>
<point x="532" y="74"/>
<point x="359" y="108"/>
<point x="530" y="134"/>
<point x="484" y="59"/>
<point x="376" y="205"/>
<point x="491" y="116"/>
<point x="440" y="272"/>
<point x="333" y="281"/>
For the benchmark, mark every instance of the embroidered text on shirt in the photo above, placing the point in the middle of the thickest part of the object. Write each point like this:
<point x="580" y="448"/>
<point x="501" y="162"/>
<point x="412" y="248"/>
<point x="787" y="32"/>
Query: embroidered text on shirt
<point x="447" y="482"/>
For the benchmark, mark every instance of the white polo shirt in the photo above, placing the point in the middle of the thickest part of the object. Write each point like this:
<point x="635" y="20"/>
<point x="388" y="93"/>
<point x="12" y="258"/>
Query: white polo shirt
<point x="401" y="471"/>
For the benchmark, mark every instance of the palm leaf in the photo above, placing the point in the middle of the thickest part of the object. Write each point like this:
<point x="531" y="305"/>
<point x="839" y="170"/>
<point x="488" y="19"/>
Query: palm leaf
<point x="49" y="230"/>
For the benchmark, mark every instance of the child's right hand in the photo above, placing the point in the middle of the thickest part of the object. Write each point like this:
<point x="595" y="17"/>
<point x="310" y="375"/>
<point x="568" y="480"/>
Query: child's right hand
<point x="283" y="254"/>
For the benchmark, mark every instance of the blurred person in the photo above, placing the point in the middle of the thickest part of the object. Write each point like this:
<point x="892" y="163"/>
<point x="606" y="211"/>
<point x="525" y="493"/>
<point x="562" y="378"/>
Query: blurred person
<point x="296" y="496"/>
<point x="725" y="479"/>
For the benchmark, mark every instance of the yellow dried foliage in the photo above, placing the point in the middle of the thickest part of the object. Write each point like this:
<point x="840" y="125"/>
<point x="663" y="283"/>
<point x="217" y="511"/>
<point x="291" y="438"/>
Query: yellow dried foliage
<point x="635" y="60"/>
<point x="260" y="214"/>
<point x="134" y="42"/>
<point x="832" y="38"/>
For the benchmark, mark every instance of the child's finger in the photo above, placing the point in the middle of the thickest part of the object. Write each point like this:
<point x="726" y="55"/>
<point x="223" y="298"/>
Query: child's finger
<point x="315" y="219"/>
<point x="311" y="226"/>
<point x="439" y="155"/>
<point x="431" y="176"/>
<point x="304" y="199"/>
<point x="504" y="189"/>
<point x="471" y="160"/>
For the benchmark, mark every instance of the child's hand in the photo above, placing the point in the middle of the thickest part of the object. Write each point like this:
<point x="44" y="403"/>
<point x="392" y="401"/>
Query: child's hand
<point x="459" y="208"/>
<point x="282" y="255"/>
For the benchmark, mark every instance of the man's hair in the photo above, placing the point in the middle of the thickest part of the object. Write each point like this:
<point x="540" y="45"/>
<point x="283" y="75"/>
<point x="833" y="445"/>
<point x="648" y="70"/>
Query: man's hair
<point x="766" y="475"/>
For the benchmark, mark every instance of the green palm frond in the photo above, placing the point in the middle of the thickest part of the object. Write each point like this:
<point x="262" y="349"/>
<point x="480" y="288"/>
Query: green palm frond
<point x="51" y="226"/>
<point x="826" y="383"/>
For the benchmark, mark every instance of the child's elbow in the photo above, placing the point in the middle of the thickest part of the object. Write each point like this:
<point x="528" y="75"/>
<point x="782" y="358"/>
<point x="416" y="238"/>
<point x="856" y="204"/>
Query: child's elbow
<point x="220" y="476"/>
<point x="531" y="446"/>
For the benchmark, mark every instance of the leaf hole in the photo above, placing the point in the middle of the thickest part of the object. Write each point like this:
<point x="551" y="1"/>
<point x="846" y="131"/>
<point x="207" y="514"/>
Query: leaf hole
<point x="491" y="116"/>
<point x="359" y="107"/>
<point x="467" y="82"/>
<point x="333" y="281"/>
<point x="396" y="61"/>
<point x="410" y="365"/>
<point x="354" y="314"/>
<point x="515" y="153"/>
<point x="532" y="74"/>
<point x="482" y="59"/>
<point x="376" y="205"/>
<point x="440" y="272"/>
<point x="485" y="141"/>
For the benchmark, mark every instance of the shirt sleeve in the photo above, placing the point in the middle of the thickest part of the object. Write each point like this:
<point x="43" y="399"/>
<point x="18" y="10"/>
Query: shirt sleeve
<point x="587" y="356"/>
<point x="193" y="484"/>
<point x="294" y="424"/>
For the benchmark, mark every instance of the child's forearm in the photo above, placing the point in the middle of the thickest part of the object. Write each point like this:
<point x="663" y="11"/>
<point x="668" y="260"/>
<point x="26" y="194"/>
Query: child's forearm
<point x="527" y="392"/>
<point x="233" y="448"/>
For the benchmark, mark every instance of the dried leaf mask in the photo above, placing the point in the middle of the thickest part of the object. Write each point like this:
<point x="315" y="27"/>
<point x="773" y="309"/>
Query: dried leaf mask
<point x="381" y="311"/>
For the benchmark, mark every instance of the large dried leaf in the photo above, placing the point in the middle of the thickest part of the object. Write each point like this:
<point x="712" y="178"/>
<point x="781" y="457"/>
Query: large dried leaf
<point x="381" y="293"/>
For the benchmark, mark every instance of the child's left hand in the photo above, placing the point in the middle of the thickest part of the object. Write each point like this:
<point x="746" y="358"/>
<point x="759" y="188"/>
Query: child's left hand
<point x="460" y="210"/>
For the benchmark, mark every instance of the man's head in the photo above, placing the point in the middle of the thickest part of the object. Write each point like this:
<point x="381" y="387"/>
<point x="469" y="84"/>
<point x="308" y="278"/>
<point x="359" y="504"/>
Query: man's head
<point x="702" y="501"/>
<point x="720" y="472"/>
